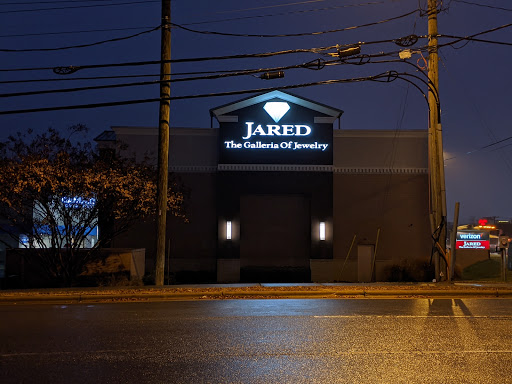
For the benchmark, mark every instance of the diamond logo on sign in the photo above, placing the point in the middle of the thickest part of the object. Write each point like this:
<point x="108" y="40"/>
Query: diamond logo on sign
<point x="276" y="109"/>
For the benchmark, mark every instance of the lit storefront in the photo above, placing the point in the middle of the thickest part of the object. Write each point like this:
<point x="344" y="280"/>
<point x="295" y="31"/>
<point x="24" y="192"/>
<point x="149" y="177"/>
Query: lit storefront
<point x="278" y="194"/>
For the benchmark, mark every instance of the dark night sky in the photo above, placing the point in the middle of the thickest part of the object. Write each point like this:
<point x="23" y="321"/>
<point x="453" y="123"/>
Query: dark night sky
<point x="474" y="77"/>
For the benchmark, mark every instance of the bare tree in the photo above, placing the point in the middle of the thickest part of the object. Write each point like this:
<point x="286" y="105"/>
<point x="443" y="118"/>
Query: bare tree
<point x="55" y="191"/>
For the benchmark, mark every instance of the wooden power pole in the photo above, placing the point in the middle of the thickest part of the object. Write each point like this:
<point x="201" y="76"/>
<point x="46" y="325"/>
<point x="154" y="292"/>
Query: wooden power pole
<point x="163" y="142"/>
<point x="436" y="159"/>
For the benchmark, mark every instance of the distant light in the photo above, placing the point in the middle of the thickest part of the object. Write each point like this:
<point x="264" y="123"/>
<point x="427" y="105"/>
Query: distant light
<point x="276" y="109"/>
<point x="485" y="227"/>
<point x="322" y="230"/>
<point x="228" y="230"/>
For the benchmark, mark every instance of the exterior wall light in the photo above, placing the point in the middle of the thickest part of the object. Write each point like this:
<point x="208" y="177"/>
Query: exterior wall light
<point x="228" y="230"/>
<point x="321" y="229"/>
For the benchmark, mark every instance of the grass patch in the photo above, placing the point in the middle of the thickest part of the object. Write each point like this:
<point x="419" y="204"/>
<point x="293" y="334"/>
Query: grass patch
<point x="486" y="270"/>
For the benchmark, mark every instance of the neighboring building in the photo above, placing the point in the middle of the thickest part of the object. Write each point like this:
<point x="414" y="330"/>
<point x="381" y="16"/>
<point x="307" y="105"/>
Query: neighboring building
<point x="279" y="195"/>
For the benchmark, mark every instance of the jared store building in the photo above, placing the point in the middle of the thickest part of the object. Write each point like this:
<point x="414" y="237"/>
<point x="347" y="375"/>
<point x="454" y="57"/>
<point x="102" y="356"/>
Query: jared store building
<point x="278" y="194"/>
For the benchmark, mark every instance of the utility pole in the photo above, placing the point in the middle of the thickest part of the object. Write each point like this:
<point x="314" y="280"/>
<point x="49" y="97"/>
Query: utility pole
<point x="436" y="159"/>
<point x="163" y="142"/>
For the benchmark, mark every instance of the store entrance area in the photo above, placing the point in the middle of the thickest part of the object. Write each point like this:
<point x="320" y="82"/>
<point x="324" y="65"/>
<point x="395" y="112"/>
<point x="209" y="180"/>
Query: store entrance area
<point x="275" y="238"/>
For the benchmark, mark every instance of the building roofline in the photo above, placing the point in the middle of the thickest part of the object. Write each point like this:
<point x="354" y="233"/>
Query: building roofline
<point x="247" y="102"/>
<point x="107" y="135"/>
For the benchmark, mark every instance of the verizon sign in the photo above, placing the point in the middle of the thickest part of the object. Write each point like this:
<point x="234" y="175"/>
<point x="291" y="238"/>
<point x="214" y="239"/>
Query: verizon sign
<point x="472" y="240"/>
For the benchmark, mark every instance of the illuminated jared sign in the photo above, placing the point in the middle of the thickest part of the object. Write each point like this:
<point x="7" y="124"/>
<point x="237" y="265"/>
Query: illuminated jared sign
<point x="472" y="240"/>
<point x="276" y="132"/>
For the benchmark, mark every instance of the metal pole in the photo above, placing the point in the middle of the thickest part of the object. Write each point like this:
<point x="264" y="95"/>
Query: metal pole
<point x="348" y="254"/>
<point x="375" y="254"/>
<point x="163" y="142"/>
<point x="453" y="241"/>
<point x="503" y="264"/>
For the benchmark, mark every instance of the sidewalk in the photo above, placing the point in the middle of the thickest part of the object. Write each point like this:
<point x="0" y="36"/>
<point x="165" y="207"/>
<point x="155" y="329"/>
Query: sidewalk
<point x="257" y="291"/>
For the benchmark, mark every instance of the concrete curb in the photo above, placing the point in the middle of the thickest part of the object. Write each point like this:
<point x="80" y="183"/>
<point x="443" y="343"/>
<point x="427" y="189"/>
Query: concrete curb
<point x="169" y="294"/>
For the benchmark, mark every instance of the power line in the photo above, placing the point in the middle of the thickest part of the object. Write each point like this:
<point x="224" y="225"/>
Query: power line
<point x="284" y="13"/>
<point x="476" y="34"/>
<point x="476" y="40"/>
<point x="78" y="6"/>
<point x="273" y="6"/>
<point x="74" y="32"/>
<point x="467" y="92"/>
<point x="296" y="3"/>
<point x="315" y="65"/>
<point x="363" y="59"/>
<point x="293" y="34"/>
<point x="483" y="5"/>
<point x="57" y="2"/>
<point x="383" y="77"/>
<point x="72" y="69"/>
<point x="312" y="65"/>
<point x="81" y="45"/>
<point x="484" y="147"/>
<point x="78" y="89"/>
<point x="80" y="78"/>
<point x="197" y="23"/>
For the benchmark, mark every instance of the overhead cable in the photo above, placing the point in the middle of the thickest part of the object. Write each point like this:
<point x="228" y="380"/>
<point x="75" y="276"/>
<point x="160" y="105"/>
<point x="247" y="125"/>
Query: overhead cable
<point x="476" y="34"/>
<point x="197" y="22"/>
<point x="81" y="45"/>
<point x="71" y="69"/>
<point x="79" y="6"/>
<point x="315" y="64"/>
<point x="483" y="5"/>
<point x="484" y="147"/>
<point x="292" y="34"/>
<point x="319" y="50"/>
<point x="361" y="58"/>
<point x="79" y="78"/>
<point x="460" y="38"/>
<point x="273" y="6"/>
<point x="282" y="13"/>
<point x="56" y="2"/>
<point x="312" y="65"/>
<point x="383" y="77"/>
<point x="75" y="32"/>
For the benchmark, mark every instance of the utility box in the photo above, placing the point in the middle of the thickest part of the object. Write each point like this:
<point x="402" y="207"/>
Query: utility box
<point x="364" y="263"/>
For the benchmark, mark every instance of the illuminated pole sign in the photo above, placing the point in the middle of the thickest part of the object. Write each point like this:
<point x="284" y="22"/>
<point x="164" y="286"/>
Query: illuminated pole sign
<point x="472" y="240"/>
<point x="276" y="133"/>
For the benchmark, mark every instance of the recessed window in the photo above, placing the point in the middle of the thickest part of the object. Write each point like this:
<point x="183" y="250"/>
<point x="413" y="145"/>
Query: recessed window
<point x="322" y="230"/>
<point x="228" y="230"/>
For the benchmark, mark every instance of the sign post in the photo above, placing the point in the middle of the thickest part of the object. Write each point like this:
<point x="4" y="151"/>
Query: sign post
<point x="503" y="248"/>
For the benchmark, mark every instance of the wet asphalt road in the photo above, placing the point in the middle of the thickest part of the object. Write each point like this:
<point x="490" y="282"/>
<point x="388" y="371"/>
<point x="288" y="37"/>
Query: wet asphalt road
<point x="259" y="341"/>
